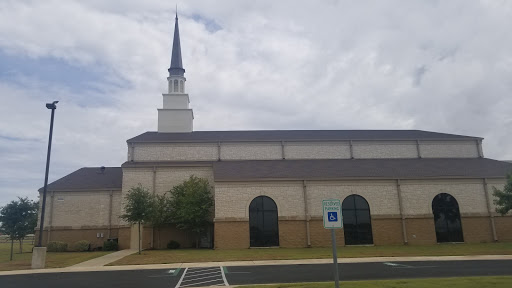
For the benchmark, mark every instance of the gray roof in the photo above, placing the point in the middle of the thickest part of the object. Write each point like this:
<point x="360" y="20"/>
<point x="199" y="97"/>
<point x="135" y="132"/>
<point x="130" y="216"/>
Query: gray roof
<point x="360" y="168"/>
<point x="295" y="135"/>
<point x="89" y="178"/>
<point x="176" y="63"/>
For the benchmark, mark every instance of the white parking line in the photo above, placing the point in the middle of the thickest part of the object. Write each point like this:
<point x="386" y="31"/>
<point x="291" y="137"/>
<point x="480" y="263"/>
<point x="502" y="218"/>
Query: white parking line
<point x="194" y="277"/>
<point x="402" y="266"/>
<point x="199" y="278"/>
<point x="200" y="283"/>
<point x="224" y="276"/>
<point x="182" y="276"/>
<point x="203" y="270"/>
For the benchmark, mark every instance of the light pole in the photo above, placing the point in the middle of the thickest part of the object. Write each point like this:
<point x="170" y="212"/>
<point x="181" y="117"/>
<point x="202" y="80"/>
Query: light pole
<point x="51" y="106"/>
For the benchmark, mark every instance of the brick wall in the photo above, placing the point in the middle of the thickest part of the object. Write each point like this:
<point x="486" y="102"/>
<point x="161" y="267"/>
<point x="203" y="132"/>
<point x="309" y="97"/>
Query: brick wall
<point x="319" y="150"/>
<point x="168" y="233"/>
<point x="387" y="231"/>
<point x="301" y="150"/>
<point x="381" y="149"/>
<point x="232" y="200"/>
<point x="175" y="152"/>
<point x="76" y="209"/>
<point x="321" y="237"/>
<point x="231" y="235"/>
<point x="449" y="149"/>
<point x="382" y="196"/>
<point x="504" y="228"/>
<point x="477" y="229"/>
<point x="418" y="195"/>
<point x="251" y="151"/>
<point x="292" y="234"/>
<point x="421" y="231"/>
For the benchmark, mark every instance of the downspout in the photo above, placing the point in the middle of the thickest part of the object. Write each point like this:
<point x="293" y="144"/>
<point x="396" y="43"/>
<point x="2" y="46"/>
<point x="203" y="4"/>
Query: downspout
<point x="418" y="148"/>
<point x="154" y="191"/>
<point x="351" y="149"/>
<point x="491" y="216"/>
<point x="218" y="151"/>
<point x="110" y="214"/>
<point x="282" y="151"/>
<point x="479" y="147"/>
<point x="132" y="154"/>
<point x="306" y="213"/>
<point x="402" y="216"/>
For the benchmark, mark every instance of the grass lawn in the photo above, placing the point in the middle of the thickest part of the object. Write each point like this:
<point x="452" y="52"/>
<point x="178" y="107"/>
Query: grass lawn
<point x="466" y="282"/>
<point x="199" y="255"/>
<point x="53" y="259"/>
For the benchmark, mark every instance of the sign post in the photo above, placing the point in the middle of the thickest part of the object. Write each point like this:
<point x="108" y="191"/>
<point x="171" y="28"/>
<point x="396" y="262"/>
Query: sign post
<point x="333" y="220"/>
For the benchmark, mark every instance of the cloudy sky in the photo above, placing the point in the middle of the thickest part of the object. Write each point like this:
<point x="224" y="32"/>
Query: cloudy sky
<point x="433" y="65"/>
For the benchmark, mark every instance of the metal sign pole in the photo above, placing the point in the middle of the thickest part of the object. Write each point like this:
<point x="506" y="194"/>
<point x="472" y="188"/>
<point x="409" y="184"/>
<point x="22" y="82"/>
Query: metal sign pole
<point x="335" y="259"/>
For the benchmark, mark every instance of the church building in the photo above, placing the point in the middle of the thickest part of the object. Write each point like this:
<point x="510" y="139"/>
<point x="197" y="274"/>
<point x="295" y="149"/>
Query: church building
<point x="396" y="186"/>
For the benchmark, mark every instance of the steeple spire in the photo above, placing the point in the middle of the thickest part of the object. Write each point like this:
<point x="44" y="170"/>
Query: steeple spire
<point x="176" y="116"/>
<point x="176" y="63"/>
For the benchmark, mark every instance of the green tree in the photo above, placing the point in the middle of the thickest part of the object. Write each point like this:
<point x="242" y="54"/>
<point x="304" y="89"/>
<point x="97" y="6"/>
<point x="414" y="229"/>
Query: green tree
<point x="503" y="199"/>
<point x="191" y="205"/>
<point x="138" y="207"/>
<point x="18" y="219"/>
<point x="160" y="215"/>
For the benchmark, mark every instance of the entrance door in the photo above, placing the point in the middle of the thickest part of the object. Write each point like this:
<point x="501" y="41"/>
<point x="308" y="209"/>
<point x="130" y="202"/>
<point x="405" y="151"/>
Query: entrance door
<point x="447" y="218"/>
<point x="263" y="222"/>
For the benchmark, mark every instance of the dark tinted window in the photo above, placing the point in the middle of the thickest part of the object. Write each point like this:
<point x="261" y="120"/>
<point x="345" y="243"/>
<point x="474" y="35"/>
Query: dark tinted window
<point x="447" y="218"/>
<point x="357" y="224"/>
<point x="263" y="222"/>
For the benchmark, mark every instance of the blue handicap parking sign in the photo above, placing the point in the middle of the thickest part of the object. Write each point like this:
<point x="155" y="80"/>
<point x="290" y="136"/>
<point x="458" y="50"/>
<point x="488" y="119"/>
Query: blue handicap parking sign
<point x="332" y="216"/>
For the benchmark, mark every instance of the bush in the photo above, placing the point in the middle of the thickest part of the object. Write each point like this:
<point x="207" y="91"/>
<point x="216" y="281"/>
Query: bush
<point x="81" y="246"/>
<point x="110" y="246"/>
<point x="173" y="245"/>
<point x="57" y="246"/>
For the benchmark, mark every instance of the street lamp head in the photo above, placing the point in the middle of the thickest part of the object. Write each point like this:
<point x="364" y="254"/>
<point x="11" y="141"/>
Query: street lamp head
<point x="52" y="105"/>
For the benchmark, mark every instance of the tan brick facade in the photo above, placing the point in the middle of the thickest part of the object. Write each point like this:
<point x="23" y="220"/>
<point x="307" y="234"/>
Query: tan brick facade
<point x="321" y="237"/>
<point x="477" y="229"/>
<point x="292" y="234"/>
<point x="163" y="235"/>
<point x="421" y="231"/>
<point x="504" y="228"/>
<point x="231" y="235"/>
<point x="387" y="231"/>
<point x="79" y="215"/>
<point x="276" y="150"/>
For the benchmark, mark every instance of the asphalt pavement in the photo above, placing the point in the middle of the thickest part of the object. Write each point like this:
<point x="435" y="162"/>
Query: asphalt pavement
<point x="238" y="275"/>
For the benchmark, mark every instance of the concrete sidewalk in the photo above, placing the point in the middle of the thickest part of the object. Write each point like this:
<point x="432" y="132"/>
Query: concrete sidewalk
<point x="104" y="260"/>
<point x="88" y="268"/>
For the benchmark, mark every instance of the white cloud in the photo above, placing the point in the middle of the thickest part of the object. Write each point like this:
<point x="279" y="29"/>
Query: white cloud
<point x="434" y="65"/>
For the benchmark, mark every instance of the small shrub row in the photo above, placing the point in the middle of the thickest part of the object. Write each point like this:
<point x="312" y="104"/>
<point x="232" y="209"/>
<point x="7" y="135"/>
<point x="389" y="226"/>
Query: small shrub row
<point x="82" y="246"/>
<point x="173" y="245"/>
<point x="57" y="246"/>
<point x="110" y="246"/>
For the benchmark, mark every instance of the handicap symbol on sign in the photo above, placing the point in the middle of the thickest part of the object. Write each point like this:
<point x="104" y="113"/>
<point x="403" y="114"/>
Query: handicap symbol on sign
<point x="332" y="216"/>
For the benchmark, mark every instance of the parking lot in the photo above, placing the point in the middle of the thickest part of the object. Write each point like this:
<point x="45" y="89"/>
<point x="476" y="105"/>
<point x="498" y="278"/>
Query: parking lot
<point x="263" y="274"/>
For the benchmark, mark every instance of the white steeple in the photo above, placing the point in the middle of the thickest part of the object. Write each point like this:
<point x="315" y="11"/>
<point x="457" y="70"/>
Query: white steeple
<point x="176" y="116"/>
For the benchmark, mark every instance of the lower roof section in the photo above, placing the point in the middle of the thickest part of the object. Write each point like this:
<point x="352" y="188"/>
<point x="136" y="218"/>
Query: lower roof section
<point x="89" y="178"/>
<point x="360" y="168"/>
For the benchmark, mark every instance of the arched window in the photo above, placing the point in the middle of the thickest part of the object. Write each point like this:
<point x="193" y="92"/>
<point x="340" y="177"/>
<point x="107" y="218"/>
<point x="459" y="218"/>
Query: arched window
<point x="357" y="223"/>
<point x="447" y="218"/>
<point x="175" y="85"/>
<point x="181" y="86"/>
<point x="263" y="222"/>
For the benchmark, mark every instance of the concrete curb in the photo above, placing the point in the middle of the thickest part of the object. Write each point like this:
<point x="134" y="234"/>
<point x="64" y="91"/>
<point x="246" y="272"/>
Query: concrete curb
<point x="254" y="263"/>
